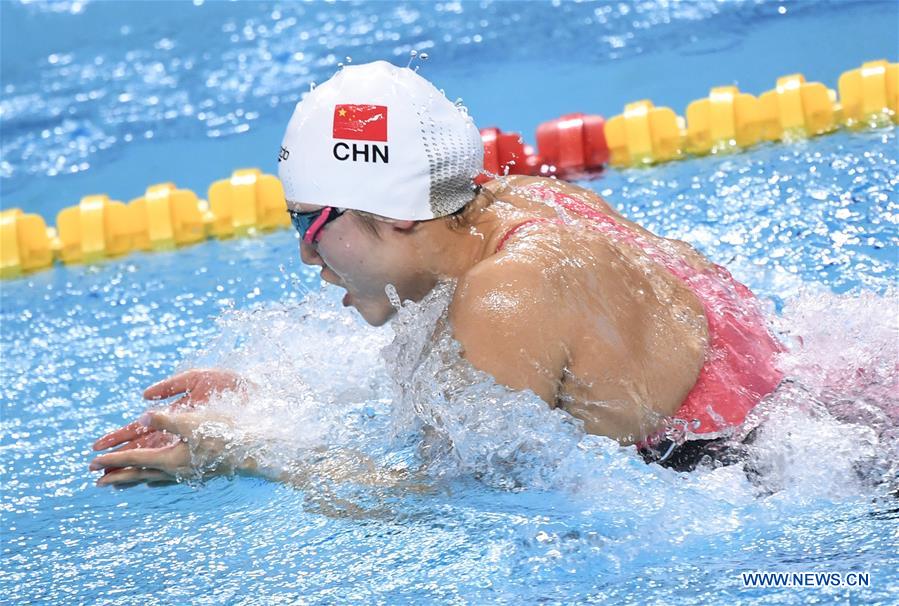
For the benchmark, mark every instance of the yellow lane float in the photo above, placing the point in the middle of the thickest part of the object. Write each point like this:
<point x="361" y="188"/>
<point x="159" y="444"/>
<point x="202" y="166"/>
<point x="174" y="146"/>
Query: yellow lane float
<point x="247" y="202"/>
<point x="796" y="108"/>
<point x="95" y="229"/>
<point x="250" y="201"/>
<point x="166" y="217"/>
<point x="26" y="243"/>
<point x="644" y="134"/>
<point x="726" y="120"/>
<point x="870" y="94"/>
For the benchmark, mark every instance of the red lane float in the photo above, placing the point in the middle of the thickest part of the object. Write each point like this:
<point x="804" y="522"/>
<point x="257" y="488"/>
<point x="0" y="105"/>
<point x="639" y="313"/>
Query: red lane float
<point x="575" y="144"/>
<point x="506" y="153"/>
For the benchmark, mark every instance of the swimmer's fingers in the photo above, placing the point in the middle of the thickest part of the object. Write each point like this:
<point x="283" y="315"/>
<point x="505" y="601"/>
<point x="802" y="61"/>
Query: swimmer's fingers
<point x="183" y="424"/>
<point x="209" y="435"/>
<point x="135" y="430"/>
<point x="197" y="383"/>
<point x="131" y="431"/>
<point x="174" y="385"/>
<point x="139" y="443"/>
<point x="172" y="459"/>
<point x="154" y="439"/>
<point x="133" y="475"/>
<point x="127" y="446"/>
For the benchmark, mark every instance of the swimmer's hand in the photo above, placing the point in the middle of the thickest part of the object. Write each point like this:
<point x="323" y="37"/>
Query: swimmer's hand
<point x="162" y="455"/>
<point x="194" y="386"/>
<point x="176" y="440"/>
<point x="155" y="449"/>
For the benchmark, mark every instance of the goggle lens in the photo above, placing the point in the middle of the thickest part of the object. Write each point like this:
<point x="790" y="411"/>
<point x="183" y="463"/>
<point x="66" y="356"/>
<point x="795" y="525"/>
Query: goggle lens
<point x="309" y="225"/>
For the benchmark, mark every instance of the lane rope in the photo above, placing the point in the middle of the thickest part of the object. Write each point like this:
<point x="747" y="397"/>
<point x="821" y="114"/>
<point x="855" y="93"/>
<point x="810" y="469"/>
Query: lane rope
<point x="574" y="146"/>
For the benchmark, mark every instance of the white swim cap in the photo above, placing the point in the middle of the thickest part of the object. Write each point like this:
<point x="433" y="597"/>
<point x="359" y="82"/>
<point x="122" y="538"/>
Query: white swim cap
<point x="380" y="139"/>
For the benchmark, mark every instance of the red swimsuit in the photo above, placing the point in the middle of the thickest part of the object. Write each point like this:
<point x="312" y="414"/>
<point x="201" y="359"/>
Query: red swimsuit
<point x="739" y="368"/>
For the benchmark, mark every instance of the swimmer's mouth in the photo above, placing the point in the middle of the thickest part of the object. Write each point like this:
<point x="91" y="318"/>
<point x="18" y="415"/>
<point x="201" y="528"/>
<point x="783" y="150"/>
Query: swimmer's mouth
<point x="346" y="297"/>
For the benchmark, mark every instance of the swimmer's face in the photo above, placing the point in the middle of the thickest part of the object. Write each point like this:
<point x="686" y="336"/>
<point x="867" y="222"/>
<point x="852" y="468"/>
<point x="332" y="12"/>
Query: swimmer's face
<point x="360" y="262"/>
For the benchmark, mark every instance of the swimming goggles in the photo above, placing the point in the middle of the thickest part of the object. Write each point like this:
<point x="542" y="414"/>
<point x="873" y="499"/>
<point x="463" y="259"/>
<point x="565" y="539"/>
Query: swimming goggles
<point x="309" y="225"/>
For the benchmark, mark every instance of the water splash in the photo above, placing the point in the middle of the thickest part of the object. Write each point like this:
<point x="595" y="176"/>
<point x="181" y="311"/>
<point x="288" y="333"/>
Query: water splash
<point x="831" y="431"/>
<point x="414" y="55"/>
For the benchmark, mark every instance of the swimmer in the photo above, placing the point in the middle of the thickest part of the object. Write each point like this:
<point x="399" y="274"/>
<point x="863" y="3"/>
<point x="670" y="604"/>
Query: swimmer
<point x="640" y="337"/>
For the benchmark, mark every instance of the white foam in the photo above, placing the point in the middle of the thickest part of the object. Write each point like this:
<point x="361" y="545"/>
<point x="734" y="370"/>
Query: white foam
<point x="405" y="396"/>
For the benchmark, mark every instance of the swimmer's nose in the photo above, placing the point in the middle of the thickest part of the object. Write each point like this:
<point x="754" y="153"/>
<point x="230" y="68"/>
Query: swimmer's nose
<point x="309" y="255"/>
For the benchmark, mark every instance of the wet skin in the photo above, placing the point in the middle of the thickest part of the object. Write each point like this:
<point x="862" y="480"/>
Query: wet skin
<point x="591" y="326"/>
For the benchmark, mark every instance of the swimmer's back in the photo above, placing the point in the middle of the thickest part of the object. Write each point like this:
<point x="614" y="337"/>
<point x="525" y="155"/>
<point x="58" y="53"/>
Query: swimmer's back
<point x="521" y="185"/>
<point x="587" y="324"/>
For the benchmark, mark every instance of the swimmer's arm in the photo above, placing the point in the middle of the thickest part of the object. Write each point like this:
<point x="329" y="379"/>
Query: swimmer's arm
<point x="170" y="459"/>
<point x="337" y="465"/>
<point x="509" y="325"/>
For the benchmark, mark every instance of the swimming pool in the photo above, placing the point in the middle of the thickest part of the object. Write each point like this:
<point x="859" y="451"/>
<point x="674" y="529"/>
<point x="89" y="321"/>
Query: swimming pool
<point x="810" y="225"/>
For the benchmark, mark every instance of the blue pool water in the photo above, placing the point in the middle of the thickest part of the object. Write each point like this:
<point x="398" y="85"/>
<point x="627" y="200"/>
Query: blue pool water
<point x="112" y="97"/>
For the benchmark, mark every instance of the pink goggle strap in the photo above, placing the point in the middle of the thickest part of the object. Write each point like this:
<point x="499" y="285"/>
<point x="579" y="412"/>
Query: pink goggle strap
<point x="312" y="232"/>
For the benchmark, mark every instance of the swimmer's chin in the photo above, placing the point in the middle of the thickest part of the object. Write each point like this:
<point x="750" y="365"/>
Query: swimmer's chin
<point x="381" y="320"/>
<point x="378" y="323"/>
<point x="373" y="317"/>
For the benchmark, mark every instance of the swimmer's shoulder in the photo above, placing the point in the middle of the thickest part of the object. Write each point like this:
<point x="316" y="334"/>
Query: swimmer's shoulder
<point x="519" y="281"/>
<point x="512" y="185"/>
<point x="506" y="317"/>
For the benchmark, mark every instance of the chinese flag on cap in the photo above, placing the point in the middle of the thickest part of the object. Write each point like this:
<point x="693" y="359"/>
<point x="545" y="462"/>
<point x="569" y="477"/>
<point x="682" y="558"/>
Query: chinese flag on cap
<point x="362" y="122"/>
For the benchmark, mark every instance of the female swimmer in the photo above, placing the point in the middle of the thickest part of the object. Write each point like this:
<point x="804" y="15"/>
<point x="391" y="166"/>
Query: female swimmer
<point x="638" y="336"/>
